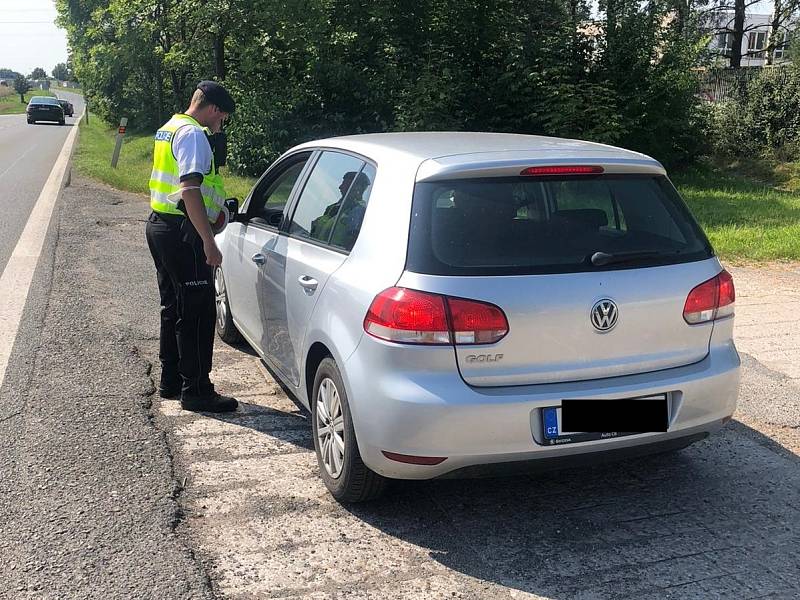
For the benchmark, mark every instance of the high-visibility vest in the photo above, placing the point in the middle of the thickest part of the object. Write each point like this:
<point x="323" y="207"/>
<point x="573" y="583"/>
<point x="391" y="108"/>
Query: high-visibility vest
<point x="165" y="179"/>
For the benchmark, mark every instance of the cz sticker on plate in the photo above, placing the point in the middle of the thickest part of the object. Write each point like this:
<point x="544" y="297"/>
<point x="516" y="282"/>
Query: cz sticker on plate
<point x="587" y="420"/>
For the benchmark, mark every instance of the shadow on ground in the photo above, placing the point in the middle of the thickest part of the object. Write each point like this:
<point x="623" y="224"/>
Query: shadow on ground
<point x="718" y="519"/>
<point x="721" y="517"/>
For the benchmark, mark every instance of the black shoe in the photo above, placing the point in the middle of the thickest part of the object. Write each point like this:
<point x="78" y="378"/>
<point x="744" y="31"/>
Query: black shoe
<point x="216" y="403"/>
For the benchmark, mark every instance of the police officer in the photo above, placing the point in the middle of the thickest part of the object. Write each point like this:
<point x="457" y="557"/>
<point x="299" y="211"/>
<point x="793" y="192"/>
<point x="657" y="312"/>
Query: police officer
<point x="186" y="197"/>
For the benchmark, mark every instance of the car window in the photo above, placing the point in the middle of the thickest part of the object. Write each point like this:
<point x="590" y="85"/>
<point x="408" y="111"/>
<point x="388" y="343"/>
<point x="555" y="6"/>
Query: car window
<point x="523" y="225"/>
<point x="322" y="198"/>
<point x="43" y="100"/>
<point x="275" y="195"/>
<point x="351" y="215"/>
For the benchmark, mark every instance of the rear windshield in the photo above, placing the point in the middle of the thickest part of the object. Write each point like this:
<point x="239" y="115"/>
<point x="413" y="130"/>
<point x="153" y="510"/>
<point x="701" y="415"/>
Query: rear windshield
<point x="524" y="225"/>
<point x="44" y="100"/>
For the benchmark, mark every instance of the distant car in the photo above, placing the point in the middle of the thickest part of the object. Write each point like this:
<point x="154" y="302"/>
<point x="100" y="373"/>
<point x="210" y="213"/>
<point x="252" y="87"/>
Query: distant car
<point x="69" y="110"/>
<point x="44" y="108"/>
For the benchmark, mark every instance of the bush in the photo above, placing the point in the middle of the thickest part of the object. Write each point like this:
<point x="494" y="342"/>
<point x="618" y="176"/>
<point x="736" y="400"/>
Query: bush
<point x="731" y="130"/>
<point x="773" y="106"/>
<point x="764" y="121"/>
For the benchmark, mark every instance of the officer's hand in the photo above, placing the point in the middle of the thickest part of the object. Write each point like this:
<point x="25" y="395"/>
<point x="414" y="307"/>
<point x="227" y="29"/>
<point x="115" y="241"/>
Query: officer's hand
<point x="213" y="255"/>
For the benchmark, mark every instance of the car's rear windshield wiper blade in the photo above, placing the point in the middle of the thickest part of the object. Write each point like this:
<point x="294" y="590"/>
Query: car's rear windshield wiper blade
<point x="600" y="259"/>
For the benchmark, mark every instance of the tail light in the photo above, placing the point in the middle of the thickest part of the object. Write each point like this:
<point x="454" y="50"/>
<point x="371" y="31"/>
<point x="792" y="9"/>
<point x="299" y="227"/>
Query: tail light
<point x="712" y="299"/>
<point x="413" y="317"/>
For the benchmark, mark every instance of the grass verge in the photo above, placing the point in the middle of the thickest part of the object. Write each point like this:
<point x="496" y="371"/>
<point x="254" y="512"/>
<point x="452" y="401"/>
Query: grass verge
<point x="93" y="159"/>
<point x="10" y="103"/>
<point x="750" y="211"/>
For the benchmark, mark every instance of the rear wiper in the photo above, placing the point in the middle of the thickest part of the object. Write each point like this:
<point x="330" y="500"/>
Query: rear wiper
<point x="600" y="259"/>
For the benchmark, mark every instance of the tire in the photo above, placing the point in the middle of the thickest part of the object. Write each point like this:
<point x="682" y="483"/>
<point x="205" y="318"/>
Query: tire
<point x="353" y="481"/>
<point x="225" y="327"/>
<point x="61" y="122"/>
<point x="31" y="122"/>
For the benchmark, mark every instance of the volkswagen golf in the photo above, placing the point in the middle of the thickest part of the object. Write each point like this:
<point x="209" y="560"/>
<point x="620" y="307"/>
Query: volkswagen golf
<point x="452" y="304"/>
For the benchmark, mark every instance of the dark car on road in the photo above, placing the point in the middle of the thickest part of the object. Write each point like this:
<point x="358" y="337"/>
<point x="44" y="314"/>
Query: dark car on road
<point x="69" y="110"/>
<point x="44" y="108"/>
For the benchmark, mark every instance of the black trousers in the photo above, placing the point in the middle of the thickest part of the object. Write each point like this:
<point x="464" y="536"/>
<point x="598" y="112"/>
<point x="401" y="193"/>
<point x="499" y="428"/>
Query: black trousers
<point x="188" y="312"/>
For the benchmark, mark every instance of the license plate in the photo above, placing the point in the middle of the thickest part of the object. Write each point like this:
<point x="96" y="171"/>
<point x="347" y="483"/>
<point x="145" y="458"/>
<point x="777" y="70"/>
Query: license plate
<point x="617" y="418"/>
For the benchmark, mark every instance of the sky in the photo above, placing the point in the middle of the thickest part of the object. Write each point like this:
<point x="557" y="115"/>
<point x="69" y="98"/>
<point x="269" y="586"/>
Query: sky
<point x="29" y="37"/>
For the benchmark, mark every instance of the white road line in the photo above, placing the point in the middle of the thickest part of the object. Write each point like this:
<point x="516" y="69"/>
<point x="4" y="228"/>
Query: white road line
<point x="15" y="282"/>
<point x="19" y="159"/>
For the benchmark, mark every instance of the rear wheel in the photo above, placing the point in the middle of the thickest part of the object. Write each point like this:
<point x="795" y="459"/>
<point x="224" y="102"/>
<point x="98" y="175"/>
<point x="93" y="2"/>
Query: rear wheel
<point x="31" y="122"/>
<point x="225" y="328"/>
<point x="61" y="122"/>
<point x="345" y="475"/>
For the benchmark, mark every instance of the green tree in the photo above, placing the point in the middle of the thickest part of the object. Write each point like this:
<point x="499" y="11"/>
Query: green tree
<point x="313" y="68"/>
<point x="61" y="72"/>
<point x="138" y="58"/>
<point x="8" y="74"/>
<point x="21" y="85"/>
<point x="38" y="73"/>
<point x="647" y="59"/>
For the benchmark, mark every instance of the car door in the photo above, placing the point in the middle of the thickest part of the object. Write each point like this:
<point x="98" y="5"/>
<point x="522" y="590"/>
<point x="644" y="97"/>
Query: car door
<point x="253" y="241"/>
<point x="304" y="258"/>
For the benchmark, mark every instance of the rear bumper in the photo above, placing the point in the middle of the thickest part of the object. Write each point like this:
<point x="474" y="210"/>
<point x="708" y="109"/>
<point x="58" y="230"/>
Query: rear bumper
<point x="538" y="464"/>
<point x="46" y="116"/>
<point x="419" y="407"/>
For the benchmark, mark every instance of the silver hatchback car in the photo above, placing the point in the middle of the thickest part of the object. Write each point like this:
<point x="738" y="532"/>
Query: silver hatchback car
<point x="451" y="303"/>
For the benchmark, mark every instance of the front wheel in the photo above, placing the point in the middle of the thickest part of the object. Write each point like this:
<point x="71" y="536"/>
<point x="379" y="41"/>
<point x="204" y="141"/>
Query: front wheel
<point x="345" y="475"/>
<point x="225" y="327"/>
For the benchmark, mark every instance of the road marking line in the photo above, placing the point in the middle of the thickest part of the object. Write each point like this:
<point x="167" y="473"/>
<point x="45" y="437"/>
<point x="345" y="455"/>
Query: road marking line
<point x="18" y="274"/>
<point x="19" y="159"/>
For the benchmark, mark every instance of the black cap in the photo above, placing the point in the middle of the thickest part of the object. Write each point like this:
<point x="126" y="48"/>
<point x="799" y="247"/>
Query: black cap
<point x="216" y="94"/>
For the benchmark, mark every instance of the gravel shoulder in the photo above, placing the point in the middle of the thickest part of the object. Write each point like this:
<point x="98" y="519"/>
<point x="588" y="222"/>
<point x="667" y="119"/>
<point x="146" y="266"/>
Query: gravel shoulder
<point x="88" y="498"/>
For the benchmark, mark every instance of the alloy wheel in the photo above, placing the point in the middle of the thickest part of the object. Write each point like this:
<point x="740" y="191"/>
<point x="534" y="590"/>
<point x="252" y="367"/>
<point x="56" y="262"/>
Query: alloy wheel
<point x="330" y="427"/>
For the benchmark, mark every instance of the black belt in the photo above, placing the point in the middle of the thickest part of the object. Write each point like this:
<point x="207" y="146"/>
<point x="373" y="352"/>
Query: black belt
<point x="181" y="223"/>
<point x="167" y="218"/>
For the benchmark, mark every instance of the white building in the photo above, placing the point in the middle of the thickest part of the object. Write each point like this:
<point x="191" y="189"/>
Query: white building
<point x="754" y="42"/>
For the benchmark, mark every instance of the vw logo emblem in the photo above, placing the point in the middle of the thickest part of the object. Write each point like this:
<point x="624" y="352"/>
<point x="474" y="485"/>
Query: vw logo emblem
<point x="604" y="315"/>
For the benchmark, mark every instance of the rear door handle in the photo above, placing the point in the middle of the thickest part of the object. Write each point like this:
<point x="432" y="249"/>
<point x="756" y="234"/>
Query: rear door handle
<point x="259" y="258"/>
<point x="309" y="284"/>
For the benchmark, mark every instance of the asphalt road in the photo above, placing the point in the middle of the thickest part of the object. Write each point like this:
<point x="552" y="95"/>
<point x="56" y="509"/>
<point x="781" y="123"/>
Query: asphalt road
<point x="27" y="154"/>
<point x="107" y="492"/>
<point x="87" y="489"/>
